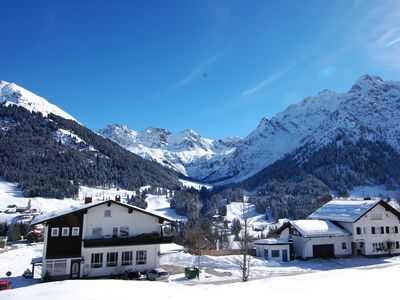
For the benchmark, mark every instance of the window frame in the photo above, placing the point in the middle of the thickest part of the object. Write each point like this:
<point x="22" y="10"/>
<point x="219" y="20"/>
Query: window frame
<point x="122" y="229"/>
<point x="95" y="236"/>
<point x="344" y="246"/>
<point x="66" y="233"/>
<point x="141" y="259"/>
<point x="112" y="259"/>
<point x="126" y="261"/>
<point x="107" y="213"/>
<point x="75" y="231"/>
<point x="275" y="253"/>
<point x="96" y="263"/>
<point x="53" y="230"/>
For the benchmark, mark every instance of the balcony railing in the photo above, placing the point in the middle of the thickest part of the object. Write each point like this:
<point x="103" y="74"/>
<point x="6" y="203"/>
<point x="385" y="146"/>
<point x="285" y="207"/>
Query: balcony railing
<point x="143" y="239"/>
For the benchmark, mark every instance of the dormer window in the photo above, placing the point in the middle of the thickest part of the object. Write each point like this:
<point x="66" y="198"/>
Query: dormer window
<point x="107" y="213"/>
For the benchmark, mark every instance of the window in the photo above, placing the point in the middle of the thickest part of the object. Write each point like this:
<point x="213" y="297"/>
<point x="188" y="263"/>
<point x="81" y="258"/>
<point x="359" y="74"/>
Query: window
<point x="358" y="230"/>
<point x="141" y="257"/>
<point x="344" y="246"/>
<point x="97" y="233"/>
<point x="266" y="254"/>
<point x="376" y="216"/>
<point x="373" y="230"/>
<point x="387" y="230"/>
<point x="275" y="253"/>
<point x="127" y="258"/>
<point x="115" y="232"/>
<point x="55" y="231"/>
<point x="112" y="259"/>
<point x="396" y="229"/>
<point x="124" y="231"/>
<point x="65" y="231"/>
<point x="382" y="230"/>
<point x="97" y="260"/>
<point x="75" y="231"/>
<point x="107" y="213"/>
<point x="397" y="245"/>
<point x="56" y="267"/>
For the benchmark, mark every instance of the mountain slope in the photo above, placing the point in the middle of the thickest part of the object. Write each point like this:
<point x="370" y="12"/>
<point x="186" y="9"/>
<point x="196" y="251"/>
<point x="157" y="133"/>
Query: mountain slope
<point x="12" y="94"/>
<point x="181" y="151"/>
<point x="369" y="111"/>
<point x="50" y="156"/>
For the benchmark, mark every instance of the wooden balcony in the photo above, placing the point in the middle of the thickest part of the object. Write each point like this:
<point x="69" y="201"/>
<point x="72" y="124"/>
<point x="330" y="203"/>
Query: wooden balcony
<point x="144" y="239"/>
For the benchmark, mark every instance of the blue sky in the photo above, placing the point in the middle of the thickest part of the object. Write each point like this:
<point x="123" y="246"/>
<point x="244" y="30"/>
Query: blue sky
<point x="216" y="67"/>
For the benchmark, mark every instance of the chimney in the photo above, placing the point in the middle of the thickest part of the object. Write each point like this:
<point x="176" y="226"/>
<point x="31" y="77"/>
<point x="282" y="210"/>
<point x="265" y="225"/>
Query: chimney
<point x="118" y="198"/>
<point x="88" y="199"/>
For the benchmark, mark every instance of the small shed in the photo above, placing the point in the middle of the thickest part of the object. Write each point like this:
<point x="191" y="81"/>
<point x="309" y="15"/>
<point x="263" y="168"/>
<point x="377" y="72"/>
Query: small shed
<point x="275" y="249"/>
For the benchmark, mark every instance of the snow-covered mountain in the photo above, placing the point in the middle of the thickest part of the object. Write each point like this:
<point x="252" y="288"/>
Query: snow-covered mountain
<point x="12" y="94"/>
<point x="180" y="151"/>
<point x="369" y="110"/>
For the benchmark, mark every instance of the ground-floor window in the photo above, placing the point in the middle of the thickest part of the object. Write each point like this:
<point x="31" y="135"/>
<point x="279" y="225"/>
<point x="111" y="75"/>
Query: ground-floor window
<point x="141" y="257"/>
<point x="97" y="260"/>
<point x="266" y="253"/>
<point x="127" y="258"/>
<point x="56" y="267"/>
<point x="344" y="246"/>
<point x="112" y="259"/>
<point x="275" y="253"/>
<point x="378" y="247"/>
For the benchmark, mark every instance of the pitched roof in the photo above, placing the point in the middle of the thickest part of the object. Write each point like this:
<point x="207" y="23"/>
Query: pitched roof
<point x="343" y="210"/>
<point x="318" y="228"/>
<point x="348" y="210"/>
<point x="81" y="207"/>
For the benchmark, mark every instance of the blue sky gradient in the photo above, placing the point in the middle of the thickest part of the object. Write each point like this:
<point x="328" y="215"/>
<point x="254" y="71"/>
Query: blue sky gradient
<point x="216" y="67"/>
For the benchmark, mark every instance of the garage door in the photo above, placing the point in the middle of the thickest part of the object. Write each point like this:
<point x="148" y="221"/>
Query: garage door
<point x="321" y="251"/>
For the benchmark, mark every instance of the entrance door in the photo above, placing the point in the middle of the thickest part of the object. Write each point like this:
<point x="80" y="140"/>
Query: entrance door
<point x="75" y="268"/>
<point x="284" y="255"/>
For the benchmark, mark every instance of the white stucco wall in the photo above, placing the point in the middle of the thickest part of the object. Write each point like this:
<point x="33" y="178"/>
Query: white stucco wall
<point x="137" y="222"/>
<point x="260" y="251"/>
<point x="366" y="222"/>
<point x="304" y="246"/>
<point x="153" y="260"/>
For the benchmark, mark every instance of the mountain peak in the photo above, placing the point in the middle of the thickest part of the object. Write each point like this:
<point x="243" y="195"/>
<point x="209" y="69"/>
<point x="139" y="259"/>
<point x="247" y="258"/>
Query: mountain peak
<point x="13" y="94"/>
<point x="366" y="82"/>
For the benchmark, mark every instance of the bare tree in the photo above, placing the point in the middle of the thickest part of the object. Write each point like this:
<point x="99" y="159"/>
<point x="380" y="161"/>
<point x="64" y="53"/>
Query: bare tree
<point x="245" y="261"/>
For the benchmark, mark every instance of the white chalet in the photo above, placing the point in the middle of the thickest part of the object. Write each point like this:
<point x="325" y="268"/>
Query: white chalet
<point x="100" y="239"/>
<point x="373" y="224"/>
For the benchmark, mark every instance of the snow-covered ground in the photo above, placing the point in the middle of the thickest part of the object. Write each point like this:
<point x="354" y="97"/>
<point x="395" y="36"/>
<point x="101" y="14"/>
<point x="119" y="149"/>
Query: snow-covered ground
<point x="161" y="206"/>
<point x="371" y="191"/>
<point x="10" y="193"/>
<point x="195" y="185"/>
<point x="357" y="278"/>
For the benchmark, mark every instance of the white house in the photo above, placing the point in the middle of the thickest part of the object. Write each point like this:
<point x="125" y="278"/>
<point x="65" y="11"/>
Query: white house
<point x="373" y="224"/>
<point x="100" y="239"/>
<point x="319" y="239"/>
<point x="273" y="249"/>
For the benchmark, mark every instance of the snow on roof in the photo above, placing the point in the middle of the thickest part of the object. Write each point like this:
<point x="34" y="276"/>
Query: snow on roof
<point x="60" y="212"/>
<point x="57" y="213"/>
<point x="272" y="241"/>
<point x="318" y="228"/>
<point x="343" y="210"/>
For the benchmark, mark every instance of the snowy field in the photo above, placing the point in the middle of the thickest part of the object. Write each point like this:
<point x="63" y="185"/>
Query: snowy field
<point x="10" y="193"/>
<point x="375" y="281"/>
<point x="195" y="185"/>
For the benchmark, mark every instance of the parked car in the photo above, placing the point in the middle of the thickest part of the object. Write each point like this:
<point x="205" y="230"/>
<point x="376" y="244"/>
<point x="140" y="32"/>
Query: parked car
<point x="157" y="274"/>
<point x="131" y="275"/>
<point x="5" y="285"/>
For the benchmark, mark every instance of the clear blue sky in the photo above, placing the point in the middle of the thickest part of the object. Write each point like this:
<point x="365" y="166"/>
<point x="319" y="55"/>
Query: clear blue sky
<point x="216" y="67"/>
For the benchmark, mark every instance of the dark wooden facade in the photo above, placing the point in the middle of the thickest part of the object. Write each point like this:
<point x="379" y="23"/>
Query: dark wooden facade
<point x="65" y="246"/>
